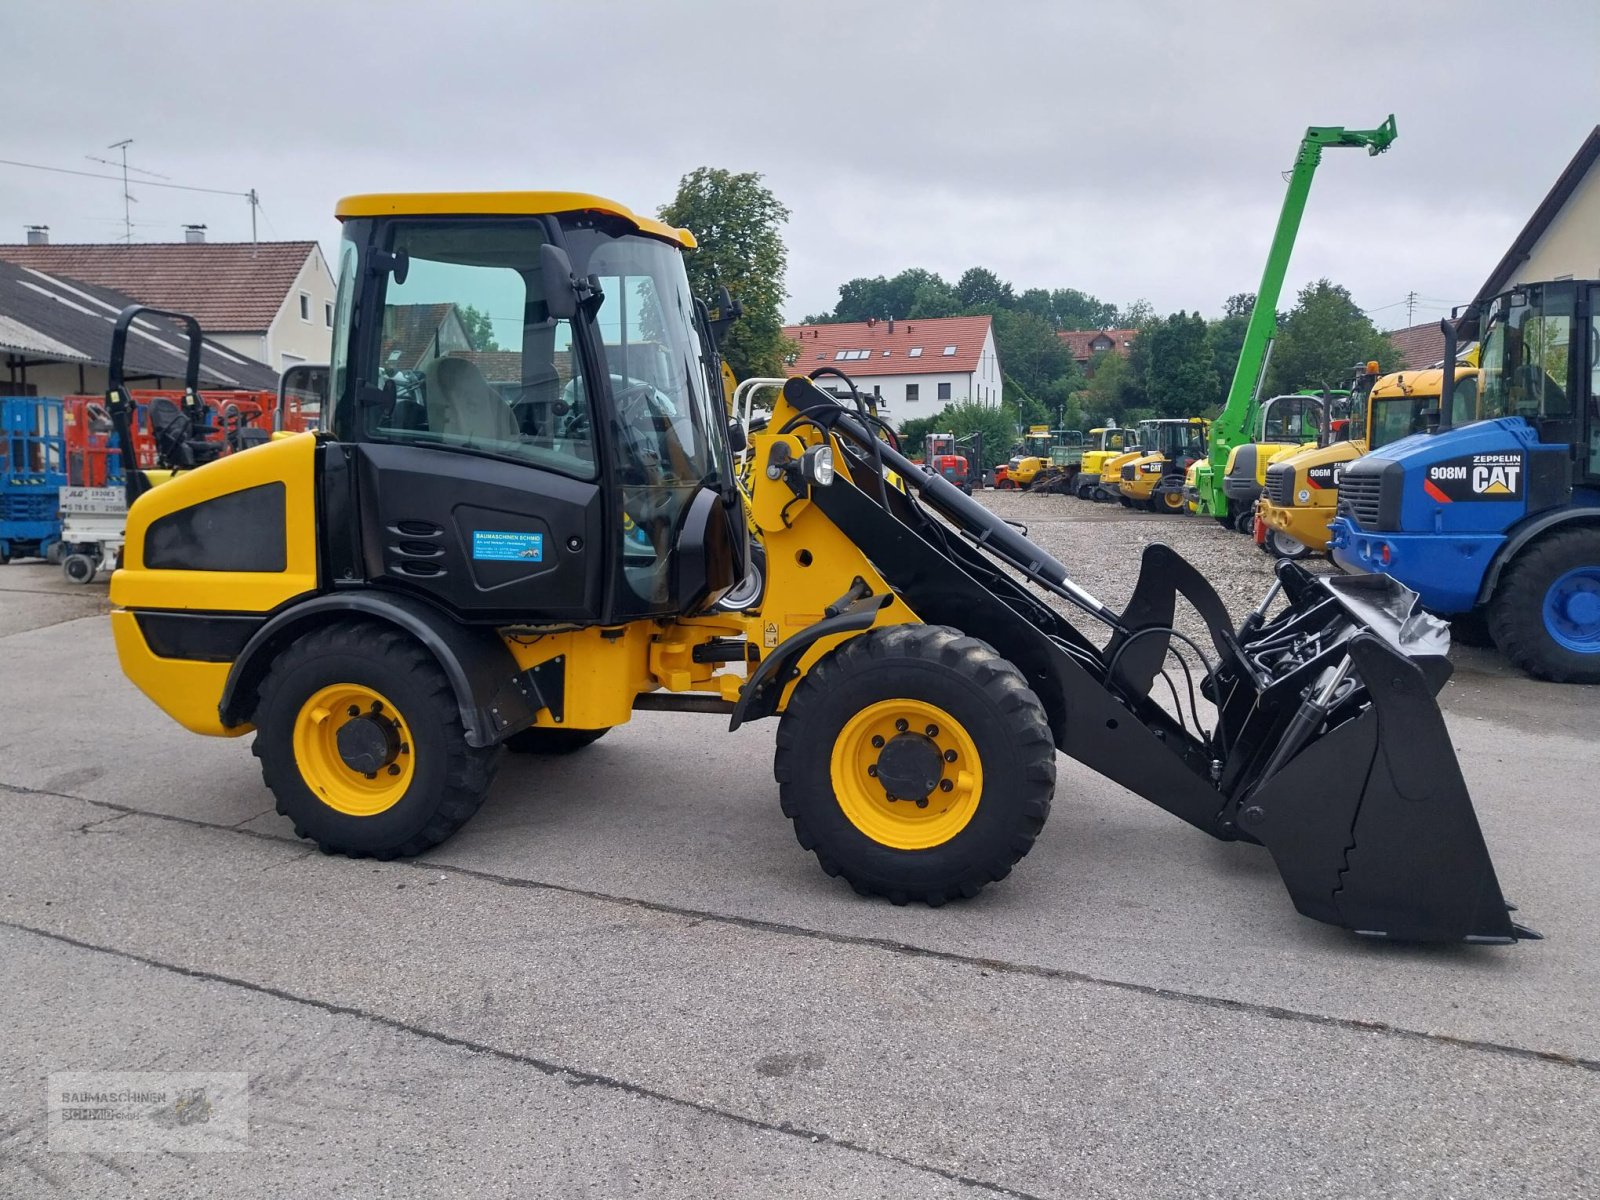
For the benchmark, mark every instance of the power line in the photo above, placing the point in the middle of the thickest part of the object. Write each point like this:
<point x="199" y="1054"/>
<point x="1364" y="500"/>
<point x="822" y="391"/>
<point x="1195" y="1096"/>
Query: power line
<point x="181" y="187"/>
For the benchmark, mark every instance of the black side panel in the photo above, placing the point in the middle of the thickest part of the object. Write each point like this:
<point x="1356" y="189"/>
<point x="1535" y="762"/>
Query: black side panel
<point x="199" y="637"/>
<point x="241" y="531"/>
<point x="1549" y="479"/>
<point x="337" y="524"/>
<point x="488" y="540"/>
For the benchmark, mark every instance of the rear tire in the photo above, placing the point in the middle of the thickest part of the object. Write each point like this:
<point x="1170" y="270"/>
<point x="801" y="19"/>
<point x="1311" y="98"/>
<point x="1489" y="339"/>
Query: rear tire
<point x="989" y="741"/>
<point x="1545" y="614"/>
<point x="553" y="741"/>
<point x="1244" y="522"/>
<point x="441" y="780"/>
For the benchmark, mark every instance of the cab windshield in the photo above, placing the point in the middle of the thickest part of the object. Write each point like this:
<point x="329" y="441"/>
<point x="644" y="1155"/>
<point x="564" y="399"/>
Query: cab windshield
<point x="1179" y="439"/>
<point x="1525" y="358"/>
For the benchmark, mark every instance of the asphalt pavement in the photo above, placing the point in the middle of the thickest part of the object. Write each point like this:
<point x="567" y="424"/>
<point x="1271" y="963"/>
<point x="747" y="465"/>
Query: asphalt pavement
<point x="624" y="977"/>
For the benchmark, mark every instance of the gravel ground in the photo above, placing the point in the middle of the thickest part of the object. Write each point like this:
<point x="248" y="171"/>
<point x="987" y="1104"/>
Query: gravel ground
<point x="1100" y="544"/>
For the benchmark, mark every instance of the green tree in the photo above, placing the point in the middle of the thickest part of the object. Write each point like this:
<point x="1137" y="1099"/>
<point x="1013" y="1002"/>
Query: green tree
<point x="1112" y="390"/>
<point x="980" y="288"/>
<point x="1072" y="309"/>
<point x="479" y="327"/>
<point x="1322" y="339"/>
<point x="933" y="298"/>
<point x="1031" y="353"/>
<point x="1136" y="314"/>
<point x="1178" y="366"/>
<point x="738" y="224"/>
<point x="997" y="424"/>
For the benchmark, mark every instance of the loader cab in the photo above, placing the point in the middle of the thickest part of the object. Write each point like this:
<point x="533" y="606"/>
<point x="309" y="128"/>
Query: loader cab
<point x="523" y="405"/>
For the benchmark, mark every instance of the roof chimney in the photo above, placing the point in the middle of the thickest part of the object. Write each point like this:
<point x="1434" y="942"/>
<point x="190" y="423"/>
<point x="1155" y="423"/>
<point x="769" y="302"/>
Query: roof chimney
<point x="38" y="235"/>
<point x="194" y="234"/>
<point x="891" y="324"/>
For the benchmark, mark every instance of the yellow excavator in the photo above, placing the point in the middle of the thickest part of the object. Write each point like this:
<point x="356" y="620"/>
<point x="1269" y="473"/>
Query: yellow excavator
<point x="1105" y="443"/>
<point x="466" y="562"/>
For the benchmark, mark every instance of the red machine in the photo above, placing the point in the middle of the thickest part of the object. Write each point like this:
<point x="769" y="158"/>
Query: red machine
<point x="238" y="419"/>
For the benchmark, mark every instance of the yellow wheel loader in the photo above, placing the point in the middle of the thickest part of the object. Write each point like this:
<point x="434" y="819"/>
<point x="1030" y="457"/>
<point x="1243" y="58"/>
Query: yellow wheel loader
<point x="520" y="549"/>
<point x="1301" y="495"/>
<point x="1105" y="443"/>
<point x="1154" y="480"/>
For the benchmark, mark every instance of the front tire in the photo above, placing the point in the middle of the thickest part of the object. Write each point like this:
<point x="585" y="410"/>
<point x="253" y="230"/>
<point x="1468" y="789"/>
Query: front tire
<point x="1280" y="545"/>
<point x="1244" y="522"/>
<point x="1545" y="615"/>
<point x="915" y="762"/>
<point x="361" y="742"/>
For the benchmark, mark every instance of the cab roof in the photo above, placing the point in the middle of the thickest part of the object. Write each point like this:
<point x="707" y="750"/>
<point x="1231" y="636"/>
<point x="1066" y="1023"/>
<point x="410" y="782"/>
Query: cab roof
<point x="503" y="204"/>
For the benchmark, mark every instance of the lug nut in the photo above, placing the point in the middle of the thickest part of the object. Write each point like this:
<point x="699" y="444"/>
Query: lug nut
<point x="372" y="774"/>
<point x="872" y="770"/>
<point x="923" y="803"/>
<point x="949" y="756"/>
<point x="877" y="741"/>
<point x="946" y="786"/>
<point x="901" y="725"/>
<point x="394" y="768"/>
<point x="353" y="711"/>
<point x="932" y="731"/>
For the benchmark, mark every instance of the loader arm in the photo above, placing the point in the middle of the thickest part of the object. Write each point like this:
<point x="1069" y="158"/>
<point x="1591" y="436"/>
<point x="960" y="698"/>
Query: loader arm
<point x="1387" y="844"/>
<point x="1237" y="419"/>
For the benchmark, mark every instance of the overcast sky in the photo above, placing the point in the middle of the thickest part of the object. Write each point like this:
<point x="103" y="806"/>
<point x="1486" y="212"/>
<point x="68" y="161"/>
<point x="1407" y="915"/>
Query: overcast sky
<point x="1130" y="150"/>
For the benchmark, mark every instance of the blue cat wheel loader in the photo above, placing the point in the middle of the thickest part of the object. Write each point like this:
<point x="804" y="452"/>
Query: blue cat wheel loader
<point x="1495" y="523"/>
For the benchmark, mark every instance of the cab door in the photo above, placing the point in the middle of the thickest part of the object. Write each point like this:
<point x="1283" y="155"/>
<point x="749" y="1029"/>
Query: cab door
<point x="468" y="440"/>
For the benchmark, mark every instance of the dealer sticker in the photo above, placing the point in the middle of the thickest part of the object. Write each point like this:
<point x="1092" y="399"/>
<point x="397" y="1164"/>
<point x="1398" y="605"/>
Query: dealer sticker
<point x="496" y="545"/>
<point x="1476" y="477"/>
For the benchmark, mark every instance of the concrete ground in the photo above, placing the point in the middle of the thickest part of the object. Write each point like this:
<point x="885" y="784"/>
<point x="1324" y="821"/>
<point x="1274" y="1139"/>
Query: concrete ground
<point x="624" y="977"/>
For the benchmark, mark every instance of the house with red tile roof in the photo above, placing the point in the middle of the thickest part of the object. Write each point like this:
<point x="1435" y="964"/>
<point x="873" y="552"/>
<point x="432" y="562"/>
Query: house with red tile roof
<point x="1086" y="343"/>
<point x="915" y="368"/>
<point x="1419" y="346"/>
<point x="270" y="301"/>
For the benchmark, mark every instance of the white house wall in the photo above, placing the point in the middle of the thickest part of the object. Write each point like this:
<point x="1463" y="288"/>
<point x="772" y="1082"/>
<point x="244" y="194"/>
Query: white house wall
<point x="1571" y="245"/>
<point x="290" y="339"/>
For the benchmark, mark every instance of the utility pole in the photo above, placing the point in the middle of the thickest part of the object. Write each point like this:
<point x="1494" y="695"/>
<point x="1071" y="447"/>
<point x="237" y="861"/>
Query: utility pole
<point x="255" y="203"/>
<point x="1411" y="306"/>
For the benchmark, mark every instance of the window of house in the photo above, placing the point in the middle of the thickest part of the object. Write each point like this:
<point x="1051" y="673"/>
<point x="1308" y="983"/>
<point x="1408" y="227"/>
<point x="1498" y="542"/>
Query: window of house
<point x="327" y="313"/>
<point x="305" y="306"/>
<point x="840" y="357"/>
<point x="914" y="352"/>
<point x="911" y="393"/>
<point x="944" y="391"/>
<point x="949" y="350"/>
<point x="886" y="353"/>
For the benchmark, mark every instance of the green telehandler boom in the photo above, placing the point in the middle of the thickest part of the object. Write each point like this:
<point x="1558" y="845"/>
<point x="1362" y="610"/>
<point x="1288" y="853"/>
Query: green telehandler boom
<point x="1238" y="416"/>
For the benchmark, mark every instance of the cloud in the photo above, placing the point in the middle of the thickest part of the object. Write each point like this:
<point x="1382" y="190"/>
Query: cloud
<point x="1128" y="150"/>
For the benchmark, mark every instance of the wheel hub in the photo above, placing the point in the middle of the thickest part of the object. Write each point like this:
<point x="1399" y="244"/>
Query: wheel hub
<point x="368" y="743"/>
<point x="910" y="767"/>
<point x="1572" y="610"/>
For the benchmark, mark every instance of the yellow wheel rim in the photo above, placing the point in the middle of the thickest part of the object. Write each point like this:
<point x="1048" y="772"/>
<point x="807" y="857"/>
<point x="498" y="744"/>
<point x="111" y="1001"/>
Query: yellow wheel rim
<point x="931" y="739"/>
<point x="1174" y="500"/>
<point x="374" y="731"/>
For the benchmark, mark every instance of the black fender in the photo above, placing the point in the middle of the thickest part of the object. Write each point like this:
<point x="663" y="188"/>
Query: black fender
<point x="1519" y="537"/>
<point x="759" y="697"/>
<point x="495" y="698"/>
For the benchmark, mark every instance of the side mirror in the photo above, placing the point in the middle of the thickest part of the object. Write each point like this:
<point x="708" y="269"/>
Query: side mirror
<point x="737" y="441"/>
<point x="559" y="284"/>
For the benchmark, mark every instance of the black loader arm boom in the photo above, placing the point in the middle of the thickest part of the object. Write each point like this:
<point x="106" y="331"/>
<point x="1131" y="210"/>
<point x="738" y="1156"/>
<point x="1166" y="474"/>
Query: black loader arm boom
<point x="1327" y="745"/>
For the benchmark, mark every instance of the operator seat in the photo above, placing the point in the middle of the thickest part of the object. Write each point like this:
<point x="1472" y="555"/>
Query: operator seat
<point x="461" y="403"/>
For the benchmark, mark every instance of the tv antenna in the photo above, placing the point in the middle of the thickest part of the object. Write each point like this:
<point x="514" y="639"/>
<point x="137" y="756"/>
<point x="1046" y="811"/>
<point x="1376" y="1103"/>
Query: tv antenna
<point x="128" y="198"/>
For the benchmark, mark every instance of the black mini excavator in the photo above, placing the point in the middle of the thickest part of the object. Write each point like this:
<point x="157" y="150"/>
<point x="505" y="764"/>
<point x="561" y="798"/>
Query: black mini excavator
<point x="528" y="516"/>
